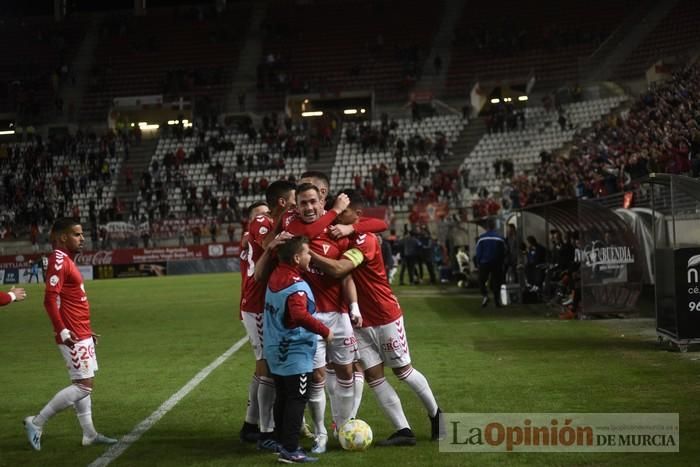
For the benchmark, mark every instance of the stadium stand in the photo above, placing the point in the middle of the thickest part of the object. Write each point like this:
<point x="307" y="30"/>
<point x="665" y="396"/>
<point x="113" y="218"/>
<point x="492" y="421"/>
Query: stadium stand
<point x="672" y="36"/>
<point x="544" y="39"/>
<point x="37" y="62"/>
<point x="188" y="52"/>
<point x="659" y="133"/>
<point x="393" y="161"/>
<point x="489" y="163"/>
<point x="217" y="170"/>
<point x="377" y="45"/>
<point x="72" y="176"/>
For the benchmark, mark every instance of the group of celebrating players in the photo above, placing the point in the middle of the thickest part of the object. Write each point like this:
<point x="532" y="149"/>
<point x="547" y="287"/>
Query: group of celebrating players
<point x="310" y="330"/>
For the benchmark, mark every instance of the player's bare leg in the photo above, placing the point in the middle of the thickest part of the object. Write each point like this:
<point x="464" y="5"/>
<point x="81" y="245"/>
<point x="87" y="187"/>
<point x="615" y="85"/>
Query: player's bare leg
<point x="391" y="405"/>
<point x="419" y="384"/>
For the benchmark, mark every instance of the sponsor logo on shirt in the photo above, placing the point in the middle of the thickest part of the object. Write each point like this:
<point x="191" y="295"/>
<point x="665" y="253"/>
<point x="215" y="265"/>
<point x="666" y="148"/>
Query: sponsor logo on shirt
<point x="263" y="230"/>
<point x="326" y="247"/>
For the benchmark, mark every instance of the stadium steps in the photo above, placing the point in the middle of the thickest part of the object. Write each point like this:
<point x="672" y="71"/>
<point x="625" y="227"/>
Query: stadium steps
<point x="72" y="95"/>
<point x="441" y="47"/>
<point x="465" y="144"/>
<point x="245" y="74"/>
<point x="139" y="161"/>
<point x="325" y="162"/>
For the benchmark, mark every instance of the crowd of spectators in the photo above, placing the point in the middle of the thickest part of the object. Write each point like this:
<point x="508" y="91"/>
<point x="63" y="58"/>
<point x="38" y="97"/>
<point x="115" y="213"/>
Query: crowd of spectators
<point x="414" y="157"/>
<point x="659" y="133"/>
<point x="280" y="140"/>
<point x="41" y="179"/>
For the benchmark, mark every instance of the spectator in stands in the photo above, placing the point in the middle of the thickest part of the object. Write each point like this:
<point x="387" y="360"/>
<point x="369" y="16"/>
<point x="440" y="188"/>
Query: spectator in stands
<point x="213" y="230"/>
<point x="231" y="231"/>
<point x="197" y="234"/>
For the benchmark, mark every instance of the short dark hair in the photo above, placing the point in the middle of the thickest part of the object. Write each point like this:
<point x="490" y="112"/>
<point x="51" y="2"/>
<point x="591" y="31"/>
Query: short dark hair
<point x="278" y="189"/>
<point x="317" y="174"/>
<point x="291" y="247"/>
<point x="491" y="224"/>
<point x="307" y="187"/>
<point x="356" y="198"/>
<point x="63" y="224"/>
<point x="256" y="204"/>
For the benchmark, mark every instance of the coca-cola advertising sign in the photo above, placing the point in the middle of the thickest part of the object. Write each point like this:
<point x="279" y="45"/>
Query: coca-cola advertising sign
<point x="136" y="255"/>
<point x="94" y="258"/>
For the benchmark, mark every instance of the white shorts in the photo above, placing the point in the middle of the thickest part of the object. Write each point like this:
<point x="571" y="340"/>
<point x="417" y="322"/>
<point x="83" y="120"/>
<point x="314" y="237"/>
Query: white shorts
<point x="343" y="349"/>
<point x="253" y="324"/>
<point x="81" y="360"/>
<point x="386" y="344"/>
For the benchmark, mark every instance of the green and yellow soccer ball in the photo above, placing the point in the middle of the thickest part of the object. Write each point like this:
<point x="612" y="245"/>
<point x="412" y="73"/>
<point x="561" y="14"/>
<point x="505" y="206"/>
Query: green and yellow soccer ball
<point x="355" y="435"/>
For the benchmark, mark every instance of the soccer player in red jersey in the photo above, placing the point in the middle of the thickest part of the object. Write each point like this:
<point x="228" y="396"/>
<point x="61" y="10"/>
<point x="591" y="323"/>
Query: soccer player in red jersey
<point x="320" y="181"/>
<point x="260" y="395"/>
<point x="15" y="294"/>
<point x="331" y="295"/>
<point x="67" y="306"/>
<point x="382" y="338"/>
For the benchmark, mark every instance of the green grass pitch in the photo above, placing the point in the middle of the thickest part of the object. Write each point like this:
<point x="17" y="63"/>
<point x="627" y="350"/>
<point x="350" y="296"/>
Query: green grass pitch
<point x="158" y="333"/>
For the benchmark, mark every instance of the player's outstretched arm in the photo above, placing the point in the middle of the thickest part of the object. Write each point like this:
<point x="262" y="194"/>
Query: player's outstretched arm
<point x="266" y="263"/>
<point x="336" y="268"/>
<point x="364" y="225"/>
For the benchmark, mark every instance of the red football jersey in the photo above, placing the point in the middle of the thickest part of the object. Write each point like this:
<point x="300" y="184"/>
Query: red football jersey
<point x="297" y="227"/>
<point x="252" y="291"/>
<point x="287" y="217"/>
<point x="64" y="298"/>
<point x="377" y="302"/>
<point x="327" y="290"/>
<point x="5" y="298"/>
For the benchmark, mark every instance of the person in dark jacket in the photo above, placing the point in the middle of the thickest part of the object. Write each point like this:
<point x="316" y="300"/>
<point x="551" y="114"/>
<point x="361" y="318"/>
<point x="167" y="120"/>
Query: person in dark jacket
<point x="535" y="264"/>
<point x="490" y="257"/>
<point x="409" y="256"/>
<point x="387" y="256"/>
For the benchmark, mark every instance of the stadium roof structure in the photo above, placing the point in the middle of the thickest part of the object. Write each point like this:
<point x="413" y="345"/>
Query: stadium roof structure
<point x="571" y="215"/>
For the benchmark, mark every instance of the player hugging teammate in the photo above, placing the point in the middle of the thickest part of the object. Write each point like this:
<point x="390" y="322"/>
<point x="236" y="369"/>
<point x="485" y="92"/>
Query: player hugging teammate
<point x="345" y="252"/>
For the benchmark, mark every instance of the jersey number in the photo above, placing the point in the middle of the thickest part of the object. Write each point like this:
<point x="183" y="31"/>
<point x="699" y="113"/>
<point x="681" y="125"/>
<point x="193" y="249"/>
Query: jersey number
<point x="251" y="263"/>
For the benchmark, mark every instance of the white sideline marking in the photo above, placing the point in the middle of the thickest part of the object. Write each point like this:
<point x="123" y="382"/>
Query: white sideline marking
<point x="118" y="449"/>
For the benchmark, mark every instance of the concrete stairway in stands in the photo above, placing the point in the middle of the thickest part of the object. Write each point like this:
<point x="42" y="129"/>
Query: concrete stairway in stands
<point x="464" y="145"/>
<point x="139" y="161"/>
<point x="72" y="94"/>
<point x="245" y="75"/>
